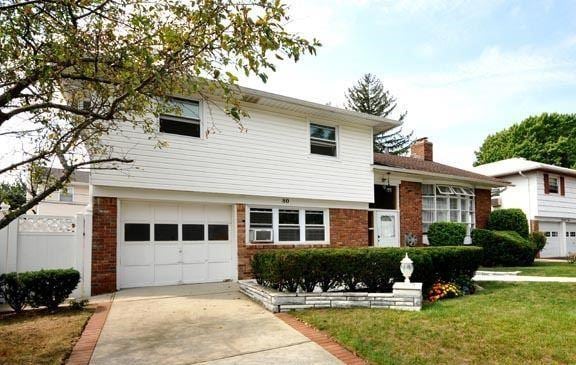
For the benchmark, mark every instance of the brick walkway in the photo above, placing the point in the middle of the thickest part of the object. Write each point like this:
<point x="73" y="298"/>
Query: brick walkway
<point x="322" y="339"/>
<point x="82" y="351"/>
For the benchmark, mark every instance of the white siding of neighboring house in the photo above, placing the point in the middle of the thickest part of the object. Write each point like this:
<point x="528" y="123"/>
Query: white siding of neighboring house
<point x="52" y="206"/>
<point x="556" y="205"/>
<point x="271" y="158"/>
<point x="521" y="194"/>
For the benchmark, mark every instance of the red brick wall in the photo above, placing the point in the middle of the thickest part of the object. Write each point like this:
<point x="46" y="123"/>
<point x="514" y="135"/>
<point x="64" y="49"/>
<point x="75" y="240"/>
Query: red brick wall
<point x="483" y="207"/>
<point x="104" y="218"/>
<point x="348" y="228"/>
<point x="410" y="210"/>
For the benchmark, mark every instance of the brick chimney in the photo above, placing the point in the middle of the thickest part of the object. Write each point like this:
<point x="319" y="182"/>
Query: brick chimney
<point x="422" y="149"/>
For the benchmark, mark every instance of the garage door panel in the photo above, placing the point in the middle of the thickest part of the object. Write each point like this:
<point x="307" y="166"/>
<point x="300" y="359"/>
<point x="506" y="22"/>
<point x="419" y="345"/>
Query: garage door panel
<point x="136" y="211"/>
<point x="137" y="276"/>
<point x="194" y="252"/>
<point x="165" y="212"/>
<point x="218" y="214"/>
<point x="167" y="274"/>
<point x="219" y="252"/>
<point x="195" y="273"/>
<point x="553" y="232"/>
<point x="571" y="238"/>
<point x="167" y="253"/>
<point x="137" y="254"/>
<point x="192" y="213"/>
<point x="219" y="271"/>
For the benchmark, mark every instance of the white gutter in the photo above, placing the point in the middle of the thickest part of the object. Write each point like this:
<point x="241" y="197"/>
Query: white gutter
<point x="436" y="174"/>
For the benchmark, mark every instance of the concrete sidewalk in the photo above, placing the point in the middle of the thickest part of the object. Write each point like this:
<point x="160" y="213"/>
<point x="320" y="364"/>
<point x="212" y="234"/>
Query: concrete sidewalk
<point x="199" y="324"/>
<point x="522" y="278"/>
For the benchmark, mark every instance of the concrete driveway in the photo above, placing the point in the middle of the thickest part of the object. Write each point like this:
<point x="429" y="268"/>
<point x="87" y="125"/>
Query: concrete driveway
<point x="199" y="324"/>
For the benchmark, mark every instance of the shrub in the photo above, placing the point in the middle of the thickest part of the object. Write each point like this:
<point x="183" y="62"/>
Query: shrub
<point x="503" y="248"/>
<point x="373" y="269"/>
<point x="538" y="240"/>
<point x="50" y="288"/>
<point x="446" y="234"/>
<point x="508" y="220"/>
<point x="13" y="291"/>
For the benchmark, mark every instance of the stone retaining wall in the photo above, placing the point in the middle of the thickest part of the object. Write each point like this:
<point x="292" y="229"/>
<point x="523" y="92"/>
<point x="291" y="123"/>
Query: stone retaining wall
<point x="404" y="296"/>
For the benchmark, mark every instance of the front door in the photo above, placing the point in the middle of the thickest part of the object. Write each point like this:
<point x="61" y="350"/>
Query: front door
<point x="387" y="227"/>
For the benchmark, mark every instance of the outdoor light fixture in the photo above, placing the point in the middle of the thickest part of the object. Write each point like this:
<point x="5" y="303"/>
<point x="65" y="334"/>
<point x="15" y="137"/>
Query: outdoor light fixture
<point x="407" y="268"/>
<point x="388" y="188"/>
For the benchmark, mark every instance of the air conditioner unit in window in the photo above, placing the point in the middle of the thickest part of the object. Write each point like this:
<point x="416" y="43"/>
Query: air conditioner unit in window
<point x="262" y="235"/>
<point x="496" y="201"/>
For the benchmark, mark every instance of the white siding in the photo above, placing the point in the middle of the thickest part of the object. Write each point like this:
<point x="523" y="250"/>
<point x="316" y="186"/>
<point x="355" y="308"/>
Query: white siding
<point x="270" y="159"/>
<point x="521" y="194"/>
<point x="556" y="205"/>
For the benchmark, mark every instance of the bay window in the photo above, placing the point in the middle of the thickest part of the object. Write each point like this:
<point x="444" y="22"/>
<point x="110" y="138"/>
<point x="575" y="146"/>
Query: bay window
<point x="287" y="225"/>
<point x="446" y="203"/>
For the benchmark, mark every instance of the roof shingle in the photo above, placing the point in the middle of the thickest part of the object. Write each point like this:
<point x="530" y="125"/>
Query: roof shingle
<point x="416" y="164"/>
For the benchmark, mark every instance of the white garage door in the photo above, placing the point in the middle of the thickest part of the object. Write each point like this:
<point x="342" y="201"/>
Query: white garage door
<point x="553" y="231"/>
<point x="570" y="238"/>
<point x="167" y="244"/>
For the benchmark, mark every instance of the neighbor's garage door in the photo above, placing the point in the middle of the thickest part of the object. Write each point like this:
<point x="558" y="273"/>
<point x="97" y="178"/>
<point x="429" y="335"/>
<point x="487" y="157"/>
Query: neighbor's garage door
<point x="552" y="230"/>
<point x="167" y="244"/>
<point x="570" y="238"/>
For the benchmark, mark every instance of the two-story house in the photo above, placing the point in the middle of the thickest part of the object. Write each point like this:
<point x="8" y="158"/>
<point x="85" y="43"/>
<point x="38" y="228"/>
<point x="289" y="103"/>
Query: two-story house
<point x="301" y="175"/>
<point x="545" y="193"/>
<point x="70" y="200"/>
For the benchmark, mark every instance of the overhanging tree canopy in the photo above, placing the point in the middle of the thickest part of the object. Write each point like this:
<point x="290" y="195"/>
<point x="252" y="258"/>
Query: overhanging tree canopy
<point x="72" y="70"/>
<point x="546" y="138"/>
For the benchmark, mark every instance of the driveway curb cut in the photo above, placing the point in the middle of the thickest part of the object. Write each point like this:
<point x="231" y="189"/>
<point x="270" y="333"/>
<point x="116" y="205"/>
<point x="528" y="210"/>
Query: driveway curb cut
<point x="83" y="349"/>
<point x="322" y="339"/>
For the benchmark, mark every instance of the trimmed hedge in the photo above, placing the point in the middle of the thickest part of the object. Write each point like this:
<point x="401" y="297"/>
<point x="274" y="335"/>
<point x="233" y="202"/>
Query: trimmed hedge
<point x="13" y="291"/>
<point x="504" y="248"/>
<point x="508" y="220"/>
<point x="446" y="234"/>
<point x="373" y="269"/>
<point x="538" y="240"/>
<point x="44" y="288"/>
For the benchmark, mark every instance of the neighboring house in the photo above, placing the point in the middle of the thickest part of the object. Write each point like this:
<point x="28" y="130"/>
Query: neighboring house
<point x="545" y="193"/>
<point x="71" y="200"/>
<point x="303" y="175"/>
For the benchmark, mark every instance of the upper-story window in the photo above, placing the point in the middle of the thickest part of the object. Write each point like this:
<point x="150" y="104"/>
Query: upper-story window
<point x="323" y="140"/>
<point x="66" y="194"/>
<point x="185" y="123"/>
<point x="554" y="185"/>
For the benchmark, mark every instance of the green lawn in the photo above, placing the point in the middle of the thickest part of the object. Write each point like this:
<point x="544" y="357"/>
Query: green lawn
<point x="540" y="269"/>
<point x="506" y="323"/>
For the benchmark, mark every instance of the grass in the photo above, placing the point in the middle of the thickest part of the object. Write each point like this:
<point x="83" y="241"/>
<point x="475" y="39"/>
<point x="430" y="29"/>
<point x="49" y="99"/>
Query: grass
<point x="506" y="323"/>
<point x="540" y="269"/>
<point x="37" y="337"/>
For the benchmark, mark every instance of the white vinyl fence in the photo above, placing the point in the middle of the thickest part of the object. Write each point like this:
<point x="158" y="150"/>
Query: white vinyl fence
<point x="34" y="242"/>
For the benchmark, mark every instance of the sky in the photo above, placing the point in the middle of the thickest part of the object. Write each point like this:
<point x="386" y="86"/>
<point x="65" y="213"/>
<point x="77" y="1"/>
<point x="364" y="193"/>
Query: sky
<point x="462" y="69"/>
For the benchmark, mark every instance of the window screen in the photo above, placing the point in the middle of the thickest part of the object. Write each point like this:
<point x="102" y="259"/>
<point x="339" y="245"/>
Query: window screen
<point x="322" y="140"/>
<point x="136" y="232"/>
<point x="193" y="232"/>
<point x="183" y="120"/>
<point x="165" y="232"/>
<point x="218" y="232"/>
<point x="288" y="225"/>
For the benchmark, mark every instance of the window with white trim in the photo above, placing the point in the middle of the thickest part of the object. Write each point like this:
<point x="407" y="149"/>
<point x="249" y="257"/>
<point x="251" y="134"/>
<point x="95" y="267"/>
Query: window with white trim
<point x="184" y="120"/>
<point x="447" y="203"/>
<point x="66" y="194"/>
<point x="553" y="185"/>
<point x="283" y="225"/>
<point x="323" y="140"/>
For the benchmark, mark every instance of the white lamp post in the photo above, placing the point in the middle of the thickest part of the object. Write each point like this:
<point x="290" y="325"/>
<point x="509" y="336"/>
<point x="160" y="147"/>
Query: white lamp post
<point x="407" y="268"/>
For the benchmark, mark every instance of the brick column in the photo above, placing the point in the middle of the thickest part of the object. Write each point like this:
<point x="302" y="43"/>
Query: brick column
<point x="410" y="210"/>
<point x="104" y="240"/>
<point x="348" y="228"/>
<point x="483" y="201"/>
